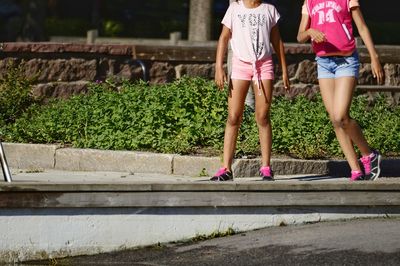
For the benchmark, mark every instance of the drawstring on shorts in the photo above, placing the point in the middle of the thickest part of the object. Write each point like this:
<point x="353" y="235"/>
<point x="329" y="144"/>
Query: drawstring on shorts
<point x="257" y="74"/>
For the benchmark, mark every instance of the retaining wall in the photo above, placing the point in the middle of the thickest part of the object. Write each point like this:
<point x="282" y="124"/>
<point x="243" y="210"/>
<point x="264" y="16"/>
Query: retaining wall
<point x="64" y="69"/>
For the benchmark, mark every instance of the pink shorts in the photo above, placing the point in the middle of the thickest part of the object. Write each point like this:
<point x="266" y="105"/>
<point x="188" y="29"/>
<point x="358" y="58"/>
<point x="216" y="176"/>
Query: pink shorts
<point x="264" y="69"/>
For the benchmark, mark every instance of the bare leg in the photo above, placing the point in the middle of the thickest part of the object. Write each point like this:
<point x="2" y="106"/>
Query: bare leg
<point x="337" y="95"/>
<point x="235" y="115"/>
<point x="344" y="88"/>
<point x="262" y="115"/>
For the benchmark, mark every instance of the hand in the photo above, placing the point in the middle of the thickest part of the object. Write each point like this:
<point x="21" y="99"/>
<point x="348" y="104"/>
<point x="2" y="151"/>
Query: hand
<point x="316" y="35"/>
<point x="220" y="78"/>
<point x="286" y="82"/>
<point x="377" y="71"/>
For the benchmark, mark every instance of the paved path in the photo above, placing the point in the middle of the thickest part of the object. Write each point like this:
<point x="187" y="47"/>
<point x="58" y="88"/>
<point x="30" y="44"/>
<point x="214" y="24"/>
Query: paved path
<point x="354" y="242"/>
<point x="58" y="176"/>
<point x="172" y="204"/>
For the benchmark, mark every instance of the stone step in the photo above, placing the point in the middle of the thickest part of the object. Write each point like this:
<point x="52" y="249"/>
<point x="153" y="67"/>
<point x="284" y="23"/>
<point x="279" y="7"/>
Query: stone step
<point x="59" y="189"/>
<point x="53" y="214"/>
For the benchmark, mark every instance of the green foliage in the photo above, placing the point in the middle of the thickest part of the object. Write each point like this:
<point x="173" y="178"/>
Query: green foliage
<point x="167" y="118"/>
<point x="216" y="234"/>
<point x="190" y="114"/>
<point x="112" y="28"/>
<point x="15" y="94"/>
<point x="381" y="124"/>
<point x="301" y="128"/>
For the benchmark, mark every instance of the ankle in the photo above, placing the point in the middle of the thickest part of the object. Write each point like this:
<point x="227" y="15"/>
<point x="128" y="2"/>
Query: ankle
<point x="226" y="168"/>
<point x="370" y="154"/>
<point x="356" y="172"/>
<point x="356" y="175"/>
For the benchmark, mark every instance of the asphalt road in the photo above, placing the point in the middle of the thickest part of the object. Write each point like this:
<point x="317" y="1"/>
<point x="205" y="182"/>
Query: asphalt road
<point x="352" y="242"/>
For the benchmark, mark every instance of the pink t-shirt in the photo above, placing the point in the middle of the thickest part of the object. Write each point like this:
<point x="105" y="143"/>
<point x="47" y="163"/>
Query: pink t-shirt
<point x="352" y="3"/>
<point x="250" y="29"/>
<point x="334" y="19"/>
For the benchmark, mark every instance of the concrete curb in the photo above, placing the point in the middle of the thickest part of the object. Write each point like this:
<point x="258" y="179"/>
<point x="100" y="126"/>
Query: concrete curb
<point x="41" y="156"/>
<point x="30" y="156"/>
<point x="118" y="161"/>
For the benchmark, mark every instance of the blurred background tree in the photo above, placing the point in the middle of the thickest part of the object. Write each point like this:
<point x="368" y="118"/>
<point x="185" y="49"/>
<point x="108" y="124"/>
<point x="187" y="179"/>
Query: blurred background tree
<point x="38" y="20"/>
<point x="22" y="20"/>
<point x="34" y="15"/>
<point x="200" y="17"/>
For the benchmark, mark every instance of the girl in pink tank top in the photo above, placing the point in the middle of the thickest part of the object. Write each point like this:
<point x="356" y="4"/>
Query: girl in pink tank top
<point x="328" y="24"/>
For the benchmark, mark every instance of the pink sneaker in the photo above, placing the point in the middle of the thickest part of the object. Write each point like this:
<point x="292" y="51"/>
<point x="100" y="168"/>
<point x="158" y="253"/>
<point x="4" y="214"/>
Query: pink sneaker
<point x="372" y="165"/>
<point x="223" y="174"/>
<point x="266" y="173"/>
<point x="356" y="176"/>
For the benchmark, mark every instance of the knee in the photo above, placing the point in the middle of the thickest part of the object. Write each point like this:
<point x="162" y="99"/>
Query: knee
<point x="234" y="120"/>
<point x="262" y="119"/>
<point x="340" y="122"/>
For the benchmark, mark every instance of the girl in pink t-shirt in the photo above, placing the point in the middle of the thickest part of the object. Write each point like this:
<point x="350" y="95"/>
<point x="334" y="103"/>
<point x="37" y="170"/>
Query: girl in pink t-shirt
<point x="328" y="24"/>
<point x="251" y="27"/>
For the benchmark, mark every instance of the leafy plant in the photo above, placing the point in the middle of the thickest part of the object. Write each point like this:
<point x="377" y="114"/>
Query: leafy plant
<point x="112" y="28"/>
<point x="189" y="115"/>
<point x="301" y="128"/>
<point x="15" y="93"/>
<point x="167" y="118"/>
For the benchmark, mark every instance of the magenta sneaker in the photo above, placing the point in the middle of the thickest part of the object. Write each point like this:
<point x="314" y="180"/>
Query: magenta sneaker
<point x="266" y="173"/>
<point x="356" y="176"/>
<point x="223" y="174"/>
<point x="372" y="165"/>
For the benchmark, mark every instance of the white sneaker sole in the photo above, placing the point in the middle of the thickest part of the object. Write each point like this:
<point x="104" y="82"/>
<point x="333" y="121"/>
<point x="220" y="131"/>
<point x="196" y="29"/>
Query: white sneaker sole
<point x="375" y="176"/>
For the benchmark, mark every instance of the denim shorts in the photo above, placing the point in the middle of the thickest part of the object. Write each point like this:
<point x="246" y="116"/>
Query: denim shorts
<point x="338" y="66"/>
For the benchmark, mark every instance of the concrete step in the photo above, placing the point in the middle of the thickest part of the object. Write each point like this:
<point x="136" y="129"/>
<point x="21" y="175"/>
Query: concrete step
<point x="53" y="214"/>
<point x="59" y="189"/>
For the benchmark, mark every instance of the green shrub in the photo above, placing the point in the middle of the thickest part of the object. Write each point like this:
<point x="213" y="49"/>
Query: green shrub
<point x="167" y="118"/>
<point x="301" y="128"/>
<point x="189" y="114"/>
<point x="381" y="124"/>
<point x="112" y="28"/>
<point x="15" y="94"/>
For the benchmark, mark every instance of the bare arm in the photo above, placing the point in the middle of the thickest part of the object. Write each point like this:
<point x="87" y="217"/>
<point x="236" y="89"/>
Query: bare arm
<point x="220" y="75"/>
<point x="365" y="34"/>
<point x="279" y="48"/>
<point x="305" y="33"/>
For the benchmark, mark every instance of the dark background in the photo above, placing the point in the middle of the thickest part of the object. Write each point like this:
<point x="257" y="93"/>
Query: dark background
<point x="36" y="20"/>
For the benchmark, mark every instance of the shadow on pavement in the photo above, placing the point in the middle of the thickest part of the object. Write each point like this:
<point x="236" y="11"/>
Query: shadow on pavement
<point x="313" y="178"/>
<point x="389" y="168"/>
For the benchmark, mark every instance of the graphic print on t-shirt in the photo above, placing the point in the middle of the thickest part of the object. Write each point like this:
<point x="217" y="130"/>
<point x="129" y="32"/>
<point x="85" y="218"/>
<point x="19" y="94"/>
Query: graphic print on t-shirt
<point x="250" y="29"/>
<point x="254" y="22"/>
<point x="334" y="19"/>
<point x="325" y="11"/>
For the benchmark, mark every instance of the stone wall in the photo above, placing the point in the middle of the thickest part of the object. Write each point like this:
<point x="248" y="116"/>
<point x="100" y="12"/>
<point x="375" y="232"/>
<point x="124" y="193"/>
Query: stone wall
<point x="63" y="69"/>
